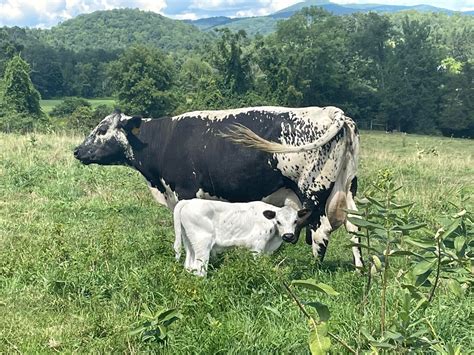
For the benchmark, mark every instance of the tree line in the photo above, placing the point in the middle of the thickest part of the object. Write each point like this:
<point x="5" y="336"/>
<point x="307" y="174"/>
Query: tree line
<point x="409" y="72"/>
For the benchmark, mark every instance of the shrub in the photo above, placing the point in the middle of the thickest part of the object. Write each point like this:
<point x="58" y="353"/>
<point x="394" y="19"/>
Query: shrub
<point x="68" y="106"/>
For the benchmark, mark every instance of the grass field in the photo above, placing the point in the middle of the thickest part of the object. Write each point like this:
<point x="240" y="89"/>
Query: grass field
<point x="47" y="105"/>
<point x="83" y="249"/>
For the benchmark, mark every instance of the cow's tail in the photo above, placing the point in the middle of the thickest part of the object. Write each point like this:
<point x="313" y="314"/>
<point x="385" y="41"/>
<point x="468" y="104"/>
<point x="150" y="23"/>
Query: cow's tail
<point x="178" y="230"/>
<point x="244" y="136"/>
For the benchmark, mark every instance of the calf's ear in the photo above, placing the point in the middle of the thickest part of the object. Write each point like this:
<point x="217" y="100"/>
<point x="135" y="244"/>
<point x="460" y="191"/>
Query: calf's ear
<point x="304" y="213"/>
<point x="132" y="124"/>
<point x="269" y="214"/>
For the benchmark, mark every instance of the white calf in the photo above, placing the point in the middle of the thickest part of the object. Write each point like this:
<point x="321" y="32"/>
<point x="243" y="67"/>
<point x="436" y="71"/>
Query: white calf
<point x="206" y="227"/>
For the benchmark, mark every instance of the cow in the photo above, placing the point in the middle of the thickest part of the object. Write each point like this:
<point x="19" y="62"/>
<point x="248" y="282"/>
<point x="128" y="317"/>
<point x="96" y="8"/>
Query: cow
<point x="283" y="156"/>
<point x="208" y="227"/>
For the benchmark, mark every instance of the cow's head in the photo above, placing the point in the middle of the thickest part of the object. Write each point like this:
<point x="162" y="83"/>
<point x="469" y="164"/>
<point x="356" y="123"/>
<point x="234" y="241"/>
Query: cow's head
<point x="288" y="221"/>
<point x="110" y="143"/>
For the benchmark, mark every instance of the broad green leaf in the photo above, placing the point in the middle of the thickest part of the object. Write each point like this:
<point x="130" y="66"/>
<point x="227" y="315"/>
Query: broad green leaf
<point x="312" y="285"/>
<point x="362" y="223"/>
<point x="423" y="266"/>
<point x="366" y="334"/>
<point x="399" y="207"/>
<point x="409" y="227"/>
<point x="361" y="201"/>
<point x="382" y="345"/>
<point x="375" y="202"/>
<point x="459" y="243"/>
<point x="137" y="331"/>
<point x="169" y="316"/>
<point x="414" y="292"/>
<point x="451" y="229"/>
<point x="421" y="244"/>
<point x="162" y="332"/>
<point x="319" y="342"/>
<point x="354" y="212"/>
<point x="455" y="287"/>
<point x="393" y="335"/>
<point x="422" y="302"/>
<point x="404" y="252"/>
<point x="322" y="309"/>
<point x="421" y="279"/>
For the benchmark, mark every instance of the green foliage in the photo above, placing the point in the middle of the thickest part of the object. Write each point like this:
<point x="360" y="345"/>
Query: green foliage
<point x="155" y="328"/>
<point x="68" y="106"/>
<point x="20" y="109"/>
<point x="19" y="92"/>
<point x="84" y="248"/>
<point x="143" y="78"/>
<point x="387" y="234"/>
<point x="232" y="63"/>
<point x="121" y="28"/>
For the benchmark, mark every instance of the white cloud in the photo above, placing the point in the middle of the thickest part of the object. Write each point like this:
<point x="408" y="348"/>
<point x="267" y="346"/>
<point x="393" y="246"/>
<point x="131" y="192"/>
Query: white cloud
<point x="45" y="13"/>
<point x="186" y="16"/>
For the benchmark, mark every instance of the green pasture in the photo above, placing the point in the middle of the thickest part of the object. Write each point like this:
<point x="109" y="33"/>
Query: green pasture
<point x="84" y="250"/>
<point x="47" y="105"/>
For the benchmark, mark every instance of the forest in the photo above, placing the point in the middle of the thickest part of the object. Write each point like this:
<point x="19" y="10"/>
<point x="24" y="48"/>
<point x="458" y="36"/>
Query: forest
<point x="407" y="71"/>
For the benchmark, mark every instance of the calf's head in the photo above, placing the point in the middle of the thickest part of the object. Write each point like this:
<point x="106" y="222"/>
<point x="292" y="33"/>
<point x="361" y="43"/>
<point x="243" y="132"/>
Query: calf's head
<point x="110" y="143"/>
<point x="288" y="221"/>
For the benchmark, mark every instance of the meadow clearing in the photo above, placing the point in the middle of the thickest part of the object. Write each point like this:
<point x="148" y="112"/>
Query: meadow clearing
<point x="85" y="250"/>
<point x="48" y="105"/>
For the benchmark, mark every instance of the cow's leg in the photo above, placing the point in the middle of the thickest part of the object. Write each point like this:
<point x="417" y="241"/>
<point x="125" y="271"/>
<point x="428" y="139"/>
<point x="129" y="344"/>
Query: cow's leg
<point x="351" y="228"/>
<point x="320" y="237"/>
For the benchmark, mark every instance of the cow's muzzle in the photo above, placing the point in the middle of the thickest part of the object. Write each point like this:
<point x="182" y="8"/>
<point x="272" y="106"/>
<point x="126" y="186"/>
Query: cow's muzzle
<point x="289" y="238"/>
<point x="80" y="156"/>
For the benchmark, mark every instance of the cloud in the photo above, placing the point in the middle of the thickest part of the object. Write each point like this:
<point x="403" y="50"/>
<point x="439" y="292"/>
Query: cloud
<point x="46" y="13"/>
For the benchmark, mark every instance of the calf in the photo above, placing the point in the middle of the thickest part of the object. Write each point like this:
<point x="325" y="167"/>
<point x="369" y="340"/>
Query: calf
<point x="206" y="227"/>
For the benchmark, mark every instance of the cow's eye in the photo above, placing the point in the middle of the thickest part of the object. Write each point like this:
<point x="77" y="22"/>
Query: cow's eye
<point x="278" y="222"/>
<point x="101" y="131"/>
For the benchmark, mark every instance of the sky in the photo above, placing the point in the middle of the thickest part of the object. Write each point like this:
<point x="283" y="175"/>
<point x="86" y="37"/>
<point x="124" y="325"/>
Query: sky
<point x="47" y="13"/>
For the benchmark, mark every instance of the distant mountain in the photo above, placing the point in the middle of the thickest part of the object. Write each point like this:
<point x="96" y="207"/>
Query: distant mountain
<point x="267" y="24"/>
<point x="119" y="28"/>
<point x="343" y="9"/>
<point x="210" y="22"/>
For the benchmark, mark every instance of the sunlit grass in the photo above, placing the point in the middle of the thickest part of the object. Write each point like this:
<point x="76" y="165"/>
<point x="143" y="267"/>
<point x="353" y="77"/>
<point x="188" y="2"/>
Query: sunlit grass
<point x="48" y="105"/>
<point x="83" y="248"/>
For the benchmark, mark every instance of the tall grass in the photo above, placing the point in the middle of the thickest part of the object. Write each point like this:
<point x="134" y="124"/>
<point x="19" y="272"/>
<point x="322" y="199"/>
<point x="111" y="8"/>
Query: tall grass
<point x="83" y="249"/>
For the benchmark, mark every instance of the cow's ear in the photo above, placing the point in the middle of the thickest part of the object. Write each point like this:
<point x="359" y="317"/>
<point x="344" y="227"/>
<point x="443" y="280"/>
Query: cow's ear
<point x="132" y="124"/>
<point x="269" y="214"/>
<point x="304" y="213"/>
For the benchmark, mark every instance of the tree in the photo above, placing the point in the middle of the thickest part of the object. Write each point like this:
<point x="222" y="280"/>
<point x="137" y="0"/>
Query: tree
<point x="457" y="115"/>
<point x="232" y="63"/>
<point x="19" y="93"/>
<point x="143" y="78"/>
<point x="411" y="93"/>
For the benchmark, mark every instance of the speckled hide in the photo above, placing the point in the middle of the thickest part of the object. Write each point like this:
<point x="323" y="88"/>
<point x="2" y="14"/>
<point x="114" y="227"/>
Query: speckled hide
<point x="284" y="156"/>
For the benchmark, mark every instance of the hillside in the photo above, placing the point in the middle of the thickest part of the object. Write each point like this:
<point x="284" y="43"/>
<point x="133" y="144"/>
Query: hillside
<point x="267" y="24"/>
<point x="119" y="28"/>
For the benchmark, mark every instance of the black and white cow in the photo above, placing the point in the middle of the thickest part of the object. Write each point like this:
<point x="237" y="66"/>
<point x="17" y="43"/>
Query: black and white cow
<point x="283" y="156"/>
